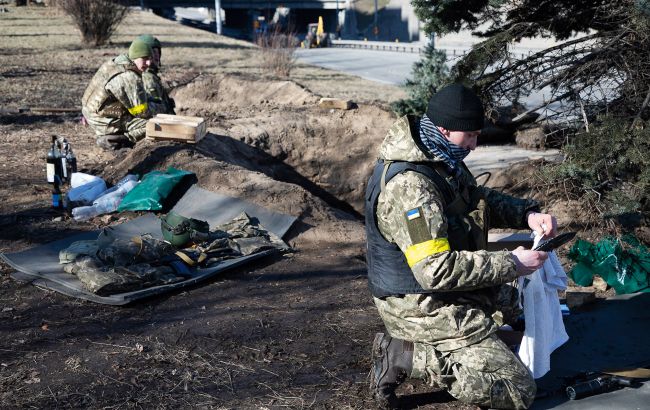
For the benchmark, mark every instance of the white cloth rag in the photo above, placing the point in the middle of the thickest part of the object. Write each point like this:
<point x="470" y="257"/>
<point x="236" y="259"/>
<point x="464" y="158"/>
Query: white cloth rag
<point x="544" y="326"/>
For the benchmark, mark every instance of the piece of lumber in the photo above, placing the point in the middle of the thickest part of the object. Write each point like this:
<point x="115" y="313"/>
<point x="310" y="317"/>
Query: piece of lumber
<point x="576" y="297"/>
<point x="22" y="110"/>
<point x="335" y="103"/>
<point x="167" y="127"/>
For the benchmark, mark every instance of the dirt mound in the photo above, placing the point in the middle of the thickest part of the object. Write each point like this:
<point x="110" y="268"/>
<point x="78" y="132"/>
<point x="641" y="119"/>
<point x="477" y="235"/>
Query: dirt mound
<point x="225" y="92"/>
<point x="230" y="167"/>
<point x="334" y="149"/>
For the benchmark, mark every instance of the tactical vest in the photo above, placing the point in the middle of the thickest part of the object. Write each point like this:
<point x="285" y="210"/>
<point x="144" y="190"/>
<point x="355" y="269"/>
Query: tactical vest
<point x="97" y="100"/>
<point x="466" y="211"/>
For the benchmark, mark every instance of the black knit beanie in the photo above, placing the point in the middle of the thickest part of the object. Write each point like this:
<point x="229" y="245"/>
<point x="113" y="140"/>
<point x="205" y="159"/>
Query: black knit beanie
<point x="456" y="108"/>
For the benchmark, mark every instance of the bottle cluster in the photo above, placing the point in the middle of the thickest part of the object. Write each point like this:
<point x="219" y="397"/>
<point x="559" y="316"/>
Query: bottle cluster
<point x="61" y="163"/>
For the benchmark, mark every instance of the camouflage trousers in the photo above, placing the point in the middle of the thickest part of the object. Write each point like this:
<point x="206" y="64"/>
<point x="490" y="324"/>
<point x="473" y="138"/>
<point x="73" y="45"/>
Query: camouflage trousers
<point x="456" y="347"/>
<point x="133" y="128"/>
<point x="486" y="373"/>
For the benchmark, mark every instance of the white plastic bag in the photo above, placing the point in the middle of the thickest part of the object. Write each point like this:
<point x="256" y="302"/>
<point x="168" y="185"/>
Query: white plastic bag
<point x="85" y="188"/>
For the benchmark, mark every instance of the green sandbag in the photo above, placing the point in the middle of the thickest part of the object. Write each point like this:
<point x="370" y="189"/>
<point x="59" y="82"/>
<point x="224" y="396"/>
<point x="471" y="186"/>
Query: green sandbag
<point x="151" y="192"/>
<point x="624" y="264"/>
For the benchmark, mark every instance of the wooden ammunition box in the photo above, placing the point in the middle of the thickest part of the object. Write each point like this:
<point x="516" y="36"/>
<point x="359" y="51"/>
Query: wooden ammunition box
<point x="167" y="127"/>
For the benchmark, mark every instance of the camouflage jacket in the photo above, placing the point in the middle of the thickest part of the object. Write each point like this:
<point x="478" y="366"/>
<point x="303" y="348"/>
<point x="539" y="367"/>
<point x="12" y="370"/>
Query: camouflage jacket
<point x="469" y="280"/>
<point x="156" y="92"/>
<point x="116" y="91"/>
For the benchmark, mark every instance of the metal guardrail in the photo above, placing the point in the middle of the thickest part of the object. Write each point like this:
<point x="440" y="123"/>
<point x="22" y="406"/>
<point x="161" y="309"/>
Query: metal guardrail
<point x="379" y="45"/>
<point x="417" y="48"/>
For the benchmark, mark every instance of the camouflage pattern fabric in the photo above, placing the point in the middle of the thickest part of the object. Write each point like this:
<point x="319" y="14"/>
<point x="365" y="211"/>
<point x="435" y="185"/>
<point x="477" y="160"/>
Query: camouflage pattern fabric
<point x="467" y="287"/>
<point x="103" y="280"/>
<point x="115" y="101"/>
<point x="119" y="265"/>
<point x="139" y="249"/>
<point x="156" y="91"/>
<point x="486" y="373"/>
<point x="114" y="265"/>
<point x="239" y="237"/>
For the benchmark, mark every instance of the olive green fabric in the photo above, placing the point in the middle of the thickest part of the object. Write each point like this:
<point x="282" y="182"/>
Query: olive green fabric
<point x="121" y="265"/>
<point x="139" y="49"/>
<point x="241" y="236"/>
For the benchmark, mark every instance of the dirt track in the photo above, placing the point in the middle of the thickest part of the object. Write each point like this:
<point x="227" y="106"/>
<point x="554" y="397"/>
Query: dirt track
<point x="288" y="332"/>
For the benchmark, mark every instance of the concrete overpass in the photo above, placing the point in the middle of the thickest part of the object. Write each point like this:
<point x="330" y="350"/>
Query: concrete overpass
<point x="248" y="4"/>
<point x="392" y="21"/>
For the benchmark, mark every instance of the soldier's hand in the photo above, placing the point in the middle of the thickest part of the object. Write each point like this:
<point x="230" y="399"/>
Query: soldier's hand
<point x="528" y="261"/>
<point x="543" y="224"/>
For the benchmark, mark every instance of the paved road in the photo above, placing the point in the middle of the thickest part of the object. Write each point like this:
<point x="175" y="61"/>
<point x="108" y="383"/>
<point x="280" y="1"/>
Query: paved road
<point x="494" y="157"/>
<point x="386" y="67"/>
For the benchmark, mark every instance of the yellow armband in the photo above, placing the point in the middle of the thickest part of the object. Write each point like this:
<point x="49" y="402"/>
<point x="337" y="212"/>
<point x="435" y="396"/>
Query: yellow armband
<point x="415" y="253"/>
<point x="138" y="109"/>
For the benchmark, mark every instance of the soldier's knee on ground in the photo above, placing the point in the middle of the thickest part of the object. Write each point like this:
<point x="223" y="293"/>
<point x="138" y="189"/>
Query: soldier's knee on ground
<point x="504" y="394"/>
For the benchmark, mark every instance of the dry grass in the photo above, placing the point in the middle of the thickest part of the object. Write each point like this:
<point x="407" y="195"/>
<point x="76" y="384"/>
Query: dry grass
<point x="39" y="41"/>
<point x="277" y="53"/>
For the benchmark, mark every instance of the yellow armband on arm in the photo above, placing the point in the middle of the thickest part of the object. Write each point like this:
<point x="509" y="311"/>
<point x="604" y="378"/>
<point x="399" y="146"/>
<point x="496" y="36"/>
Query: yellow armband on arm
<point x="138" y="109"/>
<point x="415" y="253"/>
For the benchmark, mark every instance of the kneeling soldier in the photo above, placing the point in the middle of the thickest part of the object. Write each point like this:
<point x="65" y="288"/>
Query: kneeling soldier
<point x="115" y="103"/>
<point x="433" y="282"/>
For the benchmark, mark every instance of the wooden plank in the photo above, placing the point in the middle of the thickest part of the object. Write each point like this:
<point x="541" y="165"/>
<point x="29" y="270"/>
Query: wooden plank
<point x="335" y="103"/>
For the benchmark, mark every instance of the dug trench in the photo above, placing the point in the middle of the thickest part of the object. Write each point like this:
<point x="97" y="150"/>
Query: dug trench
<point x="292" y="331"/>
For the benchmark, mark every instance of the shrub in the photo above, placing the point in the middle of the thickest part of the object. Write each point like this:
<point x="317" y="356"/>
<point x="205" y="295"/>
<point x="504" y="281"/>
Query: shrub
<point x="429" y="75"/>
<point x="96" y="19"/>
<point x="277" y="52"/>
<point x="608" y="171"/>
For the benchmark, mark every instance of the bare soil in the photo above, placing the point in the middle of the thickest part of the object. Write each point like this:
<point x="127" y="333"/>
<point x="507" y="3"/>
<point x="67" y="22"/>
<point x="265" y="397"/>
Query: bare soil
<point x="291" y="331"/>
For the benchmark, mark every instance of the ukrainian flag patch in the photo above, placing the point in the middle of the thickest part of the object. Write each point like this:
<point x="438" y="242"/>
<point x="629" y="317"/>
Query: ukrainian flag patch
<point x="413" y="214"/>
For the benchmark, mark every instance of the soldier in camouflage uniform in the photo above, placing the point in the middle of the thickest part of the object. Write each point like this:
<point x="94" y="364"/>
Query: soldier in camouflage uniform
<point x="437" y="289"/>
<point x="115" y="103"/>
<point x="152" y="83"/>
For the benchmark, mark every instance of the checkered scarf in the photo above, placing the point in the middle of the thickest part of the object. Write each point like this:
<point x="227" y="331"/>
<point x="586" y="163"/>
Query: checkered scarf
<point x="440" y="146"/>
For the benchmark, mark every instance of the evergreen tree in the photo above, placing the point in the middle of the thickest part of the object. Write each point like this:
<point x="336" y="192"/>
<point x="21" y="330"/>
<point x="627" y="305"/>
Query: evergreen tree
<point x="597" y="77"/>
<point x="429" y="75"/>
<point x="601" y="66"/>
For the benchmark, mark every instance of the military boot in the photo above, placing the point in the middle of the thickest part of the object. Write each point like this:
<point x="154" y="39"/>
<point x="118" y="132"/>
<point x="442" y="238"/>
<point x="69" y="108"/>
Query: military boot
<point x="114" y="142"/>
<point x="392" y="361"/>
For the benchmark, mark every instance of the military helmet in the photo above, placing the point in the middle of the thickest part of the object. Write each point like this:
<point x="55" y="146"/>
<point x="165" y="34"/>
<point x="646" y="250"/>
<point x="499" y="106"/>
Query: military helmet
<point x="180" y="231"/>
<point x="151" y="40"/>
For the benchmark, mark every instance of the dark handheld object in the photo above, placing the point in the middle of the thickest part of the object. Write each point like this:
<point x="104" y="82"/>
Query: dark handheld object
<point x="556" y="242"/>
<point x="600" y="384"/>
